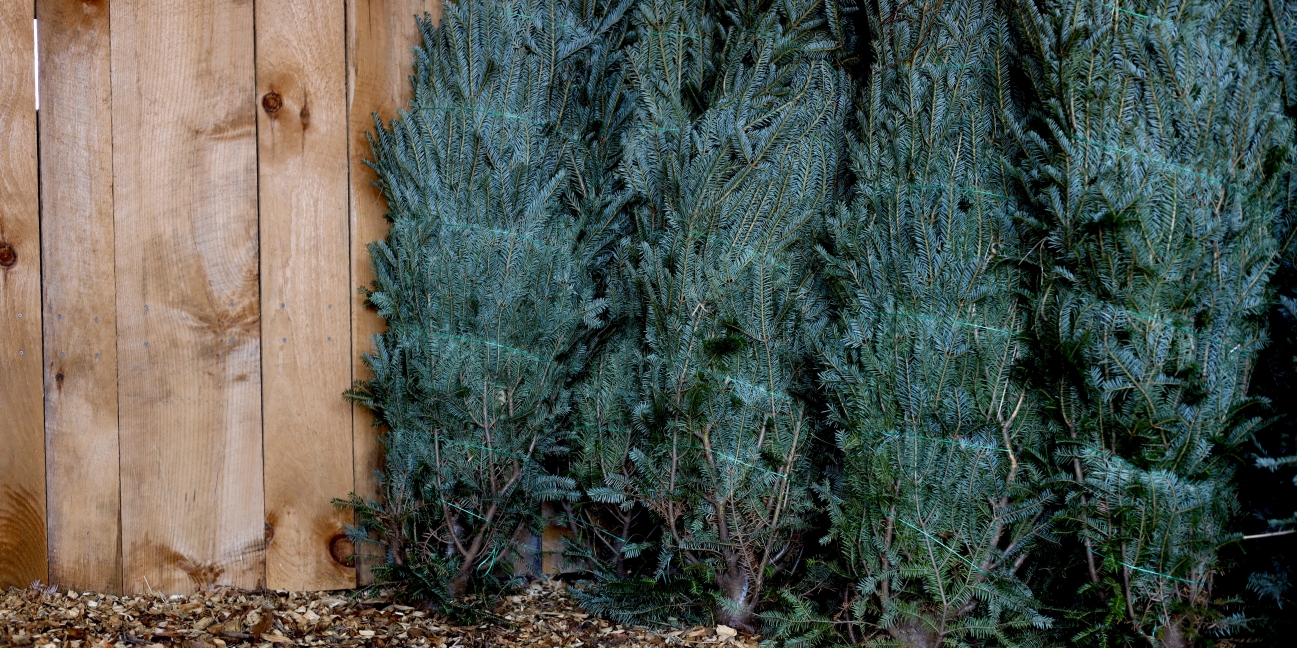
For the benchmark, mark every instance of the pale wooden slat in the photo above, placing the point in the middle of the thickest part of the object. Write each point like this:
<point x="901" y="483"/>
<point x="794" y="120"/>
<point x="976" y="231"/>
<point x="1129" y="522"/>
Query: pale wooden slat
<point x="188" y="305"/>
<point x="80" y="328"/>
<point x="22" y="430"/>
<point x="305" y="288"/>
<point x="380" y="62"/>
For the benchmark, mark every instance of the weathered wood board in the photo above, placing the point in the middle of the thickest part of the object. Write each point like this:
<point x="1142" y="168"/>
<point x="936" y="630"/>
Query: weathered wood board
<point x="22" y="429"/>
<point x="80" y="325"/>
<point x="382" y="36"/>
<point x="188" y="300"/>
<point x="305" y="291"/>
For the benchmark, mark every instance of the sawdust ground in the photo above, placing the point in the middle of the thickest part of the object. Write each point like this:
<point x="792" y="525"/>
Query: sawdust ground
<point x="541" y="616"/>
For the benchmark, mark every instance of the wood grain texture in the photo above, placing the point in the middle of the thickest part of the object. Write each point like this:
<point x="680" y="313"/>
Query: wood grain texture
<point x="382" y="35"/>
<point x="22" y="430"/>
<point x="188" y="304"/>
<point x="305" y="291"/>
<point x="80" y="328"/>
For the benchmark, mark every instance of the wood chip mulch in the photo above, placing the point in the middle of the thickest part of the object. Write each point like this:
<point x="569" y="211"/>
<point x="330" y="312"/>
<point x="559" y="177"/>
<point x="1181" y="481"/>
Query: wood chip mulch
<point x="541" y="616"/>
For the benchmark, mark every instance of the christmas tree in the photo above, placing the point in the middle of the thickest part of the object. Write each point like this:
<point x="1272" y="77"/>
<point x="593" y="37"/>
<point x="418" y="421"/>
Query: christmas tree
<point x="732" y="158"/>
<point x="939" y="502"/>
<point x="488" y="282"/>
<point x="1155" y="172"/>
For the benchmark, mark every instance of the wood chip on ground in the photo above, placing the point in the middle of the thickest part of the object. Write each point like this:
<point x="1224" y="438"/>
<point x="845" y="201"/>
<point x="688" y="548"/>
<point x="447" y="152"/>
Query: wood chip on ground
<point x="540" y="616"/>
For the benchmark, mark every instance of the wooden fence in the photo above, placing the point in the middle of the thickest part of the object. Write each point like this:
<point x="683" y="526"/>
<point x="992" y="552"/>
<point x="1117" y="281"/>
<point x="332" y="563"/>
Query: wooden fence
<point x="181" y="240"/>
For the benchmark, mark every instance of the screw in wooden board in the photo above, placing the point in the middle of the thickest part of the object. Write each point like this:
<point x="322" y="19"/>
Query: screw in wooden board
<point x="272" y="102"/>
<point x="8" y="255"/>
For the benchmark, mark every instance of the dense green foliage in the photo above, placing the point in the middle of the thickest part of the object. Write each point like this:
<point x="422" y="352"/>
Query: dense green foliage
<point x="731" y="162"/>
<point x="973" y="366"/>
<point x="486" y="283"/>
<point x="940" y="498"/>
<point x="1156" y="186"/>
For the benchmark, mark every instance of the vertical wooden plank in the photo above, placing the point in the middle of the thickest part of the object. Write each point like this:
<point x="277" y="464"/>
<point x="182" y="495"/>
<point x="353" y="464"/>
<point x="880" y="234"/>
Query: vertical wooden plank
<point x="188" y="304"/>
<point x="305" y="289"/>
<point x="80" y="328"/>
<point x="22" y="430"/>
<point x="382" y="35"/>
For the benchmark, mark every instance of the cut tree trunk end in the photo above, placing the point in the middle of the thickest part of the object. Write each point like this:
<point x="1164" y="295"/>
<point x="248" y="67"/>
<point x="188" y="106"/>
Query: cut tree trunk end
<point x="914" y="635"/>
<point x="736" y="608"/>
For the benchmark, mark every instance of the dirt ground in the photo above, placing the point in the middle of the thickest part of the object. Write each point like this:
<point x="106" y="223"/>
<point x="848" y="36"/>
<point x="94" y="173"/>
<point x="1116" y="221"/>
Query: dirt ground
<point x="542" y="616"/>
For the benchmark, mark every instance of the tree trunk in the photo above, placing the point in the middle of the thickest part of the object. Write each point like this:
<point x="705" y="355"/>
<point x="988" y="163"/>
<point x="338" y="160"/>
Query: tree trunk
<point x="458" y="586"/>
<point x="1173" y="636"/>
<point x="914" y="635"/>
<point x="737" y="604"/>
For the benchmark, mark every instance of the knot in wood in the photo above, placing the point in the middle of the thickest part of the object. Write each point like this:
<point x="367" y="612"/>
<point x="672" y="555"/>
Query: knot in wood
<point x="341" y="549"/>
<point x="272" y="102"/>
<point x="8" y="255"/>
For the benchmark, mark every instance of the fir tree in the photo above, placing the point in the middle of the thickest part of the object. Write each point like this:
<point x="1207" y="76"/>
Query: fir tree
<point x="1265" y="479"/>
<point x="940" y="500"/>
<point x="1155" y="174"/>
<point x="488" y="281"/>
<point x="732" y="159"/>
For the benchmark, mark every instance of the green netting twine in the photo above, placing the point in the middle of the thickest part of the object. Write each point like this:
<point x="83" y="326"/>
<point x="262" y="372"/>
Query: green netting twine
<point x="959" y="442"/>
<point x="736" y="460"/>
<point x="592" y="428"/>
<point x="732" y="246"/>
<point x="475" y="110"/>
<point x="947" y="66"/>
<point x="1146" y="571"/>
<point x="464" y="338"/>
<point x="934" y="539"/>
<point x="501" y="232"/>
<point x="670" y="33"/>
<point x="952" y="321"/>
<point x="481" y="447"/>
<point x="483" y="567"/>
<point x="460" y="508"/>
<point x="1152" y="320"/>
<point x="941" y="187"/>
<point x="1157" y="160"/>
<point x="1133" y="13"/>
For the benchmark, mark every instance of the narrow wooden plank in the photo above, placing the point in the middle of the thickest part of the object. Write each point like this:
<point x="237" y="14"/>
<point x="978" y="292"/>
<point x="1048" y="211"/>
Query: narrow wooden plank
<point x="22" y="430"/>
<point x="382" y="35"/>
<point x="188" y="304"/>
<point x="305" y="291"/>
<point x="80" y="296"/>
